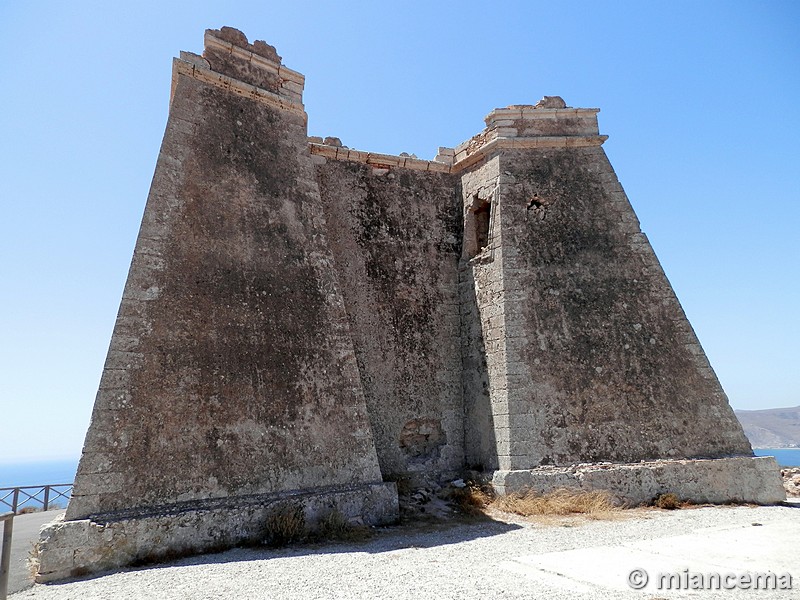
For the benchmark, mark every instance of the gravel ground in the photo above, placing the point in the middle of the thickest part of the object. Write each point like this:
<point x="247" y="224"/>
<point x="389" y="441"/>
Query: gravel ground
<point x="478" y="559"/>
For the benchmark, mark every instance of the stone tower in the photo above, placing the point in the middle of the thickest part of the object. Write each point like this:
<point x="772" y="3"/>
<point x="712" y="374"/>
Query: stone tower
<point x="304" y="324"/>
<point x="589" y="355"/>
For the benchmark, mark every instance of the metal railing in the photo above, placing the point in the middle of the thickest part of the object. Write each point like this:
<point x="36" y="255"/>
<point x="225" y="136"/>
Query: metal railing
<point x="5" y="553"/>
<point x="18" y="499"/>
<point x="34" y="496"/>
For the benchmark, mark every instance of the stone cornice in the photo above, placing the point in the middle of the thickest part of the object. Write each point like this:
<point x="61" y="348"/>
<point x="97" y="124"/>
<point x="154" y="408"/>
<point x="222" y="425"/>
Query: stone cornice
<point x="463" y="160"/>
<point x="466" y="158"/>
<point x="531" y="113"/>
<point x="378" y="161"/>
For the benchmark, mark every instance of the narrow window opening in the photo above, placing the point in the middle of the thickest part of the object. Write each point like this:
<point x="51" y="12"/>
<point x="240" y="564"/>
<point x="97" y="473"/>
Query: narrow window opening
<point x="483" y="216"/>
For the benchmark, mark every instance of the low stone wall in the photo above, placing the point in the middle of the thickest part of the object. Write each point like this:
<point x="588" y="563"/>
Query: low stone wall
<point x="716" y="481"/>
<point x="78" y="548"/>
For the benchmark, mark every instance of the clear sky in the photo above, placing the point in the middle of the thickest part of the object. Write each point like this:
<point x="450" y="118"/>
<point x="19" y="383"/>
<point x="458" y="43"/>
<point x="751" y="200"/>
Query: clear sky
<point x="701" y="101"/>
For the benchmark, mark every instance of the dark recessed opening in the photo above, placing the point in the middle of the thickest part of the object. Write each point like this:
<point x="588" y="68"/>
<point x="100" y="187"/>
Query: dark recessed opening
<point x="535" y="203"/>
<point x="537" y="208"/>
<point x="482" y="216"/>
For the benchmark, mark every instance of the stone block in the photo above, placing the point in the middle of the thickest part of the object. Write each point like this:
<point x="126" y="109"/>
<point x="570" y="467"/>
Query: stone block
<point x="65" y="534"/>
<point x="55" y="564"/>
<point x="740" y="479"/>
<point x="120" y="359"/>
<point x="95" y="546"/>
<point x="89" y="484"/>
<point x="506" y="131"/>
<point x="96" y="462"/>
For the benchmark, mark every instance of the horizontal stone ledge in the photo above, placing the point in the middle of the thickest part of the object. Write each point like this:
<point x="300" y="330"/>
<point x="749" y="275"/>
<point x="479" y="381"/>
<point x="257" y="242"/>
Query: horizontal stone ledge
<point x="91" y="545"/>
<point x="376" y="159"/>
<point x="753" y="479"/>
<point x="220" y="503"/>
<point x="466" y="159"/>
<point x="538" y="113"/>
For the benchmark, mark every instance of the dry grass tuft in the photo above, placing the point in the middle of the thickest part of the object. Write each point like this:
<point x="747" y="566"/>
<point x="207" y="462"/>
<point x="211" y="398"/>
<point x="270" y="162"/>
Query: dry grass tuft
<point x="286" y="525"/>
<point x="667" y="501"/>
<point x="473" y="499"/>
<point x="596" y="504"/>
<point x="335" y="527"/>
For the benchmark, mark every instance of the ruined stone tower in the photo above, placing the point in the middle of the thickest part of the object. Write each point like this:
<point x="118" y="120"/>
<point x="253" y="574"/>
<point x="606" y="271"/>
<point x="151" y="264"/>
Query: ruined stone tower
<point x="304" y="324"/>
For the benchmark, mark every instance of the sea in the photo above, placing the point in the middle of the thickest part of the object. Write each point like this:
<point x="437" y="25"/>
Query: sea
<point x="47" y="472"/>
<point x="63" y="471"/>
<point x="786" y="457"/>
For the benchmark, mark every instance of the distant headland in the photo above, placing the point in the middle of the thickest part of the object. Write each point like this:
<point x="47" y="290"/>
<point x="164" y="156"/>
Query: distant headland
<point x="772" y="427"/>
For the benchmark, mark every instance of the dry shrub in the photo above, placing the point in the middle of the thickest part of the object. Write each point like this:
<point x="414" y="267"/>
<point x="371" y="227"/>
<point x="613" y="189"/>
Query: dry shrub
<point x="667" y="501"/>
<point x="560" y="502"/>
<point x="33" y="559"/>
<point x="473" y="498"/>
<point x="286" y="525"/>
<point x="335" y="527"/>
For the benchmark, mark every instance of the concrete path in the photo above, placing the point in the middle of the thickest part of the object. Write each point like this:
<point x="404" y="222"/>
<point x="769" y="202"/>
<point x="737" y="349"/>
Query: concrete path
<point x="666" y="564"/>
<point x="26" y="532"/>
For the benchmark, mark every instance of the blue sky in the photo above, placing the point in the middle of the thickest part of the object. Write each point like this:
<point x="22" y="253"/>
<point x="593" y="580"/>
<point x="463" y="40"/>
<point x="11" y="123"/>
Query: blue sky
<point x="701" y="101"/>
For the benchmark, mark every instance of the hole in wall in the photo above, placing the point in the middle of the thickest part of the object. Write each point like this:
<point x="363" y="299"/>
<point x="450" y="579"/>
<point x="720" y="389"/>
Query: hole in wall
<point x="422" y="439"/>
<point x="537" y="208"/>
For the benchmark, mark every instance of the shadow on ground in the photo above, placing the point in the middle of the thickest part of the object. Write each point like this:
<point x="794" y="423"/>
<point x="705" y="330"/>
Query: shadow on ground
<point x="419" y="533"/>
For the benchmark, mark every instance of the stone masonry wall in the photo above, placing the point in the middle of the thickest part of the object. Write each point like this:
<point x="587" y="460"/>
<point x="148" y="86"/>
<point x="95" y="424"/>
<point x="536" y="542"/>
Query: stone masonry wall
<point x="395" y="234"/>
<point x="82" y="547"/>
<point x="231" y="369"/>
<point x="481" y="291"/>
<point x="604" y="364"/>
<point x="720" y="480"/>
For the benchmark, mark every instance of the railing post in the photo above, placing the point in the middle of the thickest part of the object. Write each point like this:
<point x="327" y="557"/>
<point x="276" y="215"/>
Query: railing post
<point x="15" y="501"/>
<point x="5" y="554"/>
<point x="46" y="498"/>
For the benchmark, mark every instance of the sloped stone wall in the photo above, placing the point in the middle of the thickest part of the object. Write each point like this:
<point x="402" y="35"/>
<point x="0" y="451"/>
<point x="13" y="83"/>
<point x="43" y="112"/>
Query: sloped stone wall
<point x="231" y="370"/>
<point x="605" y="365"/>
<point x="396" y="238"/>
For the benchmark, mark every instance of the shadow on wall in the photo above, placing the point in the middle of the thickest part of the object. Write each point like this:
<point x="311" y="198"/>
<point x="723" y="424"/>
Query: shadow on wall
<point x="480" y="444"/>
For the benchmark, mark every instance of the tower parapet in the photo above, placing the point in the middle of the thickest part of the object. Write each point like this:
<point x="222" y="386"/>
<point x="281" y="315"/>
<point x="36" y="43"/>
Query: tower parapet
<point x="543" y="119"/>
<point x="547" y="124"/>
<point x="254" y="70"/>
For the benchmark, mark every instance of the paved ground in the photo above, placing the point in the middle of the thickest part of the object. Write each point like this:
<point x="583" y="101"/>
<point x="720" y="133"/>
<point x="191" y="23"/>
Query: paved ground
<point x="571" y="559"/>
<point x="26" y="532"/>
